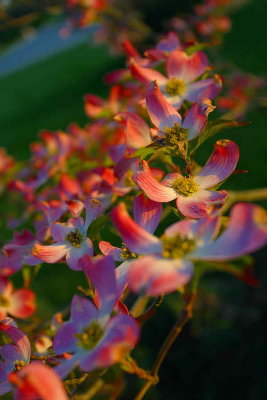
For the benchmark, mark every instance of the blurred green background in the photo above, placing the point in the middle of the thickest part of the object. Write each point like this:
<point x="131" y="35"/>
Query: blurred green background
<point x="223" y="352"/>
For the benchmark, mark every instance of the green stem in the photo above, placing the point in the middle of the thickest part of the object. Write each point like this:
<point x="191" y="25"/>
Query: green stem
<point x="244" y="195"/>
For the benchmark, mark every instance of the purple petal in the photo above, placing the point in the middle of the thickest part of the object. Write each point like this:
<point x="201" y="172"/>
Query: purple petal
<point x="205" y="88"/>
<point x="75" y="253"/>
<point x="197" y="116"/>
<point x="82" y="312"/>
<point x="65" y="340"/>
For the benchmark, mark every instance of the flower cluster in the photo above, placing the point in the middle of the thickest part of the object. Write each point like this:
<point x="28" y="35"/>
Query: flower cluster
<point x="78" y="191"/>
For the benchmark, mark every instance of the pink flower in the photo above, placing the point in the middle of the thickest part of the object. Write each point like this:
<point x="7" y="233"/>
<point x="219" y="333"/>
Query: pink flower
<point x="71" y="239"/>
<point x="167" y="263"/>
<point x="37" y="382"/>
<point x="192" y="197"/>
<point x="181" y="83"/>
<point x="96" y="339"/>
<point x="18" y="303"/>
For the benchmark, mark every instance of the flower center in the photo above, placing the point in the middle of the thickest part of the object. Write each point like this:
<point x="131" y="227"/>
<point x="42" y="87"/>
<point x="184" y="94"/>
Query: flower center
<point x="90" y="336"/>
<point x="18" y="365"/>
<point x="175" y="134"/>
<point x="185" y="186"/>
<point x="126" y="254"/>
<point x="4" y="301"/>
<point x="176" y="246"/>
<point x="75" y="238"/>
<point x="175" y="87"/>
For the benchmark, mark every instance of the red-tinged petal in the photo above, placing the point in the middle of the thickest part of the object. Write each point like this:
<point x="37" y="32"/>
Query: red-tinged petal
<point x="204" y="228"/>
<point x="121" y="336"/>
<point x="9" y="327"/>
<point x="116" y="76"/>
<point x="246" y="232"/>
<point x="75" y="253"/>
<point x="101" y="272"/>
<point x="6" y="287"/>
<point x="75" y="207"/>
<point x="206" y="88"/>
<point x="137" y="131"/>
<point x="199" y="204"/>
<point x="147" y="213"/>
<point x="197" y="116"/>
<point x="162" y="113"/>
<point x="156" y="276"/>
<point x="50" y="254"/>
<point x="153" y="189"/>
<point x="136" y="239"/>
<point x="188" y="68"/>
<point x="93" y="105"/>
<point x="22" y="303"/>
<point x="109" y="250"/>
<point x="146" y="75"/>
<point x="37" y="381"/>
<point x="65" y="340"/>
<point x="220" y="165"/>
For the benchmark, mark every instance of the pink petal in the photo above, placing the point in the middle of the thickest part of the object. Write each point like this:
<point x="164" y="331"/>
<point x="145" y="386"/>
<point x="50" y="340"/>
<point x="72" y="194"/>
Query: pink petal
<point x="146" y="75"/>
<point x="50" y="254"/>
<point x="188" y="68"/>
<point x="246" y="232"/>
<point x="199" y="204"/>
<point x="220" y="165"/>
<point x="156" y="276"/>
<point x="136" y="239"/>
<point x="22" y="303"/>
<point x="121" y="336"/>
<point x="153" y="189"/>
<point x="205" y="88"/>
<point x="197" y="116"/>
<point x="75" y="207"/>
<point x="162" y="113"/>
<point x="30" y="381"/>
<point x="109" y="250"/>
<point x="147" y="213"/>
<point x="137" y="131"/>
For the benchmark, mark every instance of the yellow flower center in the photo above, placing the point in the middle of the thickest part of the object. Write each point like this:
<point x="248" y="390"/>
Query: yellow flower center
<point x="185" y="186"/>
<point x="175" y="135"/>
<point x="4" y="301"/>
<point x="90" y="336"/>
<point x="18" y="365"/>
<point x="175" y="87"/>
<point x="126" y="254"/>
<point x="75" y="238"/>
<point x="176" y="246"/>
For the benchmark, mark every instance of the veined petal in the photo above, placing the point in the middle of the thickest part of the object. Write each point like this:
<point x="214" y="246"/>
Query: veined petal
<point x="137" y="131"/>
<point x="188" y="68"/>
<point x="147" y="213"/>
<point x="122" y="333"/>
<point x="197" y="116"/>
<point x="153" y="189"/>
<point x="246" y="232"/>
<point x="198" y="204"/>
<point x="109" y="250"/>
<point x="205" y="88"/>
<point x="220" y="165"/>
<point x="50" y="254"/>
<point x="162" y="113"/>
<point x="136" y="239"/>
<point x="9" y="327"/>
<point x="146" y="75"/>
<point x="157" y="276"/>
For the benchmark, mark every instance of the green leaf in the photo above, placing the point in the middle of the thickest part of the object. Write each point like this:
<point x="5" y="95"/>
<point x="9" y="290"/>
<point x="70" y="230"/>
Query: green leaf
<point x="143" y="152"/>
<point x="198" y="46"/>
<point x="212" y="128"/>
